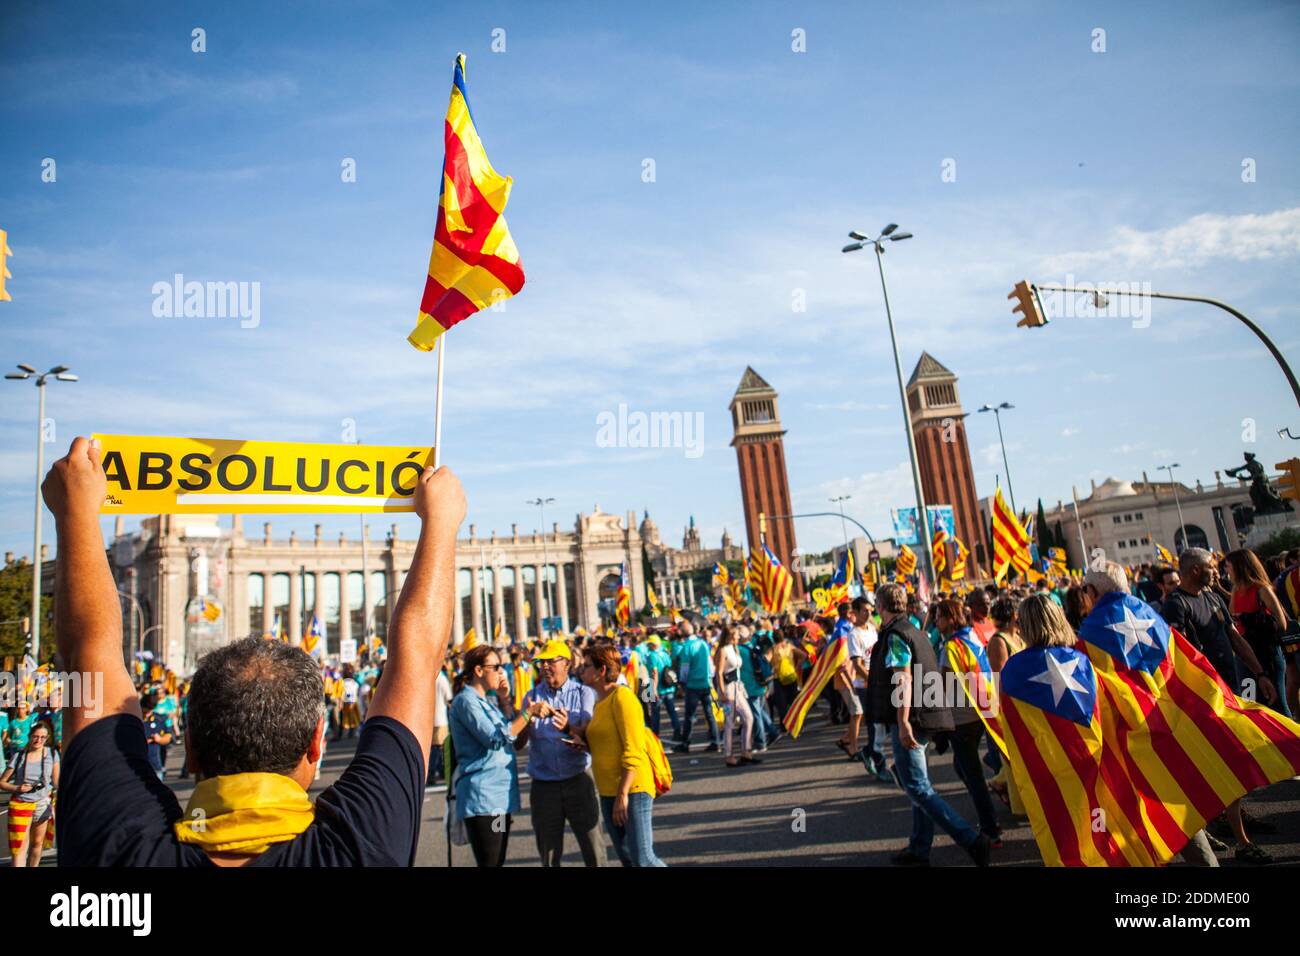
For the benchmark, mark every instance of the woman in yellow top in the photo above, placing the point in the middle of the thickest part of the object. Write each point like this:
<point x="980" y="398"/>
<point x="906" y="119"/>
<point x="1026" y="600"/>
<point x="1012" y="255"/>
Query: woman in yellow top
<point x="620" y="762"/>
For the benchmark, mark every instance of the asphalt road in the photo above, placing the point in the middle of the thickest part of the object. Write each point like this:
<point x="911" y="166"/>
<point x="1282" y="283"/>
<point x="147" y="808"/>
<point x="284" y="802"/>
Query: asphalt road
<point x="805" y="805"/>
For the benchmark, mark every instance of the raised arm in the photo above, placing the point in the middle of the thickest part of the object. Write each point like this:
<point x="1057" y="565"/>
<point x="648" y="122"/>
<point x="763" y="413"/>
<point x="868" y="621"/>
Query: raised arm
<point x="417" y="641"/>
<point x="85" y="597"/>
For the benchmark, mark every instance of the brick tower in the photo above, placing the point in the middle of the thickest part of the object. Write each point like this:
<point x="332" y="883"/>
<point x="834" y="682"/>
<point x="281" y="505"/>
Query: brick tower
<point x="760" y="454"/>
<point x="947" y="477"/>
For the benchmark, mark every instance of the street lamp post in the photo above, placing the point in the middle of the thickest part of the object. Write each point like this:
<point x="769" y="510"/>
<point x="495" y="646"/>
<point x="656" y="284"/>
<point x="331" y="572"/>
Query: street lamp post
<point x="546" y="554"/>
<point x="997" y="413"/>
<point x="844" y="529"/>
<point x="1182" y="527"/>
<point x="61" y="374"/>
<point x="923" y="517"/>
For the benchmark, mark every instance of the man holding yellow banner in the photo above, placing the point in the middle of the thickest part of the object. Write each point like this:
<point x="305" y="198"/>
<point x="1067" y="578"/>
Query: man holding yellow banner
<point x="254" y="729"/>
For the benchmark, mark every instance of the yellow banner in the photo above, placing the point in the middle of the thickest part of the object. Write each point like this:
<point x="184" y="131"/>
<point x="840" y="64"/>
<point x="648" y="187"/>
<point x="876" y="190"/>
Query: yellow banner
<point x="156" y="475"/>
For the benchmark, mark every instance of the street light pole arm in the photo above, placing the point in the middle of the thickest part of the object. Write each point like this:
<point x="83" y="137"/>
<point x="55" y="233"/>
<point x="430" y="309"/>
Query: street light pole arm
<point x="1259" y="333"/>
<point x="828" y="514"/>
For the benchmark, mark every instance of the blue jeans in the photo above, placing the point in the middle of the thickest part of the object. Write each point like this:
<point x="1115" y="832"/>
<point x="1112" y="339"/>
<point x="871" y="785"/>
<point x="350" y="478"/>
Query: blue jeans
<point x="764" y="728"/>
<point x="693" y="699"/>
<point x="1275" y="670"/>
<point x="874" y="749"/>
<point x="928" y="808"/>
<point x="634" y="841"/>
<point x="669" y="704"/>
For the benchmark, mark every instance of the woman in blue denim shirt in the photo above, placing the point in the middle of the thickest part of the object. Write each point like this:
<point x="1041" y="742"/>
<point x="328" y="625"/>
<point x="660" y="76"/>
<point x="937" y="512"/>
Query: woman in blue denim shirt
<point x="484" y="729"/>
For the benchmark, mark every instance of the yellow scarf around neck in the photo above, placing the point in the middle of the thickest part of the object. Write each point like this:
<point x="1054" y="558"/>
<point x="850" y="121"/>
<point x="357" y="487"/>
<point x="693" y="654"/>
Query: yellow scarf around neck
<point x="245" y="813"/>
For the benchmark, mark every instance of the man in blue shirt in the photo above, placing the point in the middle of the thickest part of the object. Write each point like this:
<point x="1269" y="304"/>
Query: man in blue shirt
<point x="691" y="655"/>
<point x="561" y="788"/>
<point x="658" y="661"/>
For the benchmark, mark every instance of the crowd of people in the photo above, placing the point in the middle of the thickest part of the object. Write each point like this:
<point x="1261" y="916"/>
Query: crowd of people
<point x="586" y="711"/>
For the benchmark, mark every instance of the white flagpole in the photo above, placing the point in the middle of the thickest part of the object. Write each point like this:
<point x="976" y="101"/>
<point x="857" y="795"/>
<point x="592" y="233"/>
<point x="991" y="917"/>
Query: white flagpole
<point x="437" y="420"/>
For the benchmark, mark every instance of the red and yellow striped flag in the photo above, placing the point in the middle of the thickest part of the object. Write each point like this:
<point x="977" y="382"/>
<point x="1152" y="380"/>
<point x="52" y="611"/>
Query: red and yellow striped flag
<point x="906" y="562"/>
<point x="1010" y="540"/>
<point x="474" y="262"/>
<point x="939" y="551"/>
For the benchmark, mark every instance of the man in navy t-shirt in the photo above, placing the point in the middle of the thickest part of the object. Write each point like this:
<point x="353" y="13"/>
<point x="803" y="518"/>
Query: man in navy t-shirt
<point x="255" y="719"/>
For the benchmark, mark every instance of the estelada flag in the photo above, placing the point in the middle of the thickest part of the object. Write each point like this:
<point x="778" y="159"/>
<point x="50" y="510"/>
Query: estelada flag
<point x="1079" y="798"/>
<point x="474" y="261"/>
<point x="830" y="661"/>
<point x="623" y="600"/>
<point x="1189" y="744"/>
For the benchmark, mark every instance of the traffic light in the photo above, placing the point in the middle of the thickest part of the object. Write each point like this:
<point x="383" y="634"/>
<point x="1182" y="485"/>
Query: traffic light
<point x="1028" y="305"/>
<point x="5" y="253"/>
<point x="1288" y="485"/>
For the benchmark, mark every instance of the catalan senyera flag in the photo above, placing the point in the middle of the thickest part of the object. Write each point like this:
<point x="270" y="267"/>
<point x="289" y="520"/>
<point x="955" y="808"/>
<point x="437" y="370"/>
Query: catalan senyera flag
<point x="939" y="551"/>
<point x="737" y="589"/>
<point x="754" y="576"/>
<point x="906" y="562"/>
<point x="828" y="662"/>
<point x="652" y="599"/>
<point x="777" y="583"/>
<point x="623" y="600"/>
<point x="470" y="641"/>
<point x="1187" y="742"/>
<point x="474" y="261"/>
<point x="522" y="679"/>
<point x="1010" y="540"/>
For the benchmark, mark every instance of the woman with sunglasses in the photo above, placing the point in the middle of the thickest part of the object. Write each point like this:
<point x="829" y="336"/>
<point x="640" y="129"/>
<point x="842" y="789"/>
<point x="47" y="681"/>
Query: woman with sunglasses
<point x="31" y="777"/>
<point x="484" y="732"/>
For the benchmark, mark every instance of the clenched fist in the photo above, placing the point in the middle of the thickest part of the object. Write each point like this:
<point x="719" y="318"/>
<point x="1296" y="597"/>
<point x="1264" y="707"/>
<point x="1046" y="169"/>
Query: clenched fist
<point x="440" y="499"/>
<point x="75" y="486"/>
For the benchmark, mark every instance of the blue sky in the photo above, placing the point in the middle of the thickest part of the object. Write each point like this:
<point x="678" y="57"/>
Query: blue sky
<point x="1124" y="165"/>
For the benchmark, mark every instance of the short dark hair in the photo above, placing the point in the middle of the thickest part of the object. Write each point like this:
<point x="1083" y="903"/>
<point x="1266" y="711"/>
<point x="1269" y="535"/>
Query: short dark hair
<point x="254" y="706"/>
<point x="861" y="604"/>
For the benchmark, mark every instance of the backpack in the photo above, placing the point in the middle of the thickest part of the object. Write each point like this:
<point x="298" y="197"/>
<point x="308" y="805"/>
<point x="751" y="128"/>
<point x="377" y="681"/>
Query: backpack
<point x="759" y="663"/>
<point x="659" y="766"/>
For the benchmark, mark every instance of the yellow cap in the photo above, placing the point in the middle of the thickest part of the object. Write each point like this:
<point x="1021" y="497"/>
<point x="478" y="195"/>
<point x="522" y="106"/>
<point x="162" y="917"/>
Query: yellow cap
<point x="552" y="650"/>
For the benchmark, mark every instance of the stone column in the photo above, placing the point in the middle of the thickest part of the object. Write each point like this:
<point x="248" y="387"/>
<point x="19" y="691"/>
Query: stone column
<point x="498" y="604"/>
<point x="268" y="615"/>
<point x="345" y="615"/>
<point x="561" y="595"/>
<point x="295" y="609"/>
<point x="539" y="598"/>
<point x="458" y="622"/>
<point x="476" y="599"/>
<point x="690" y="591"/>
<point x="517" y="612"/>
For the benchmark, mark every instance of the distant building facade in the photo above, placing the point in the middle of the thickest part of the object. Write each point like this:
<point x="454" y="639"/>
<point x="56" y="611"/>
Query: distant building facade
<point x="673" y="567"/>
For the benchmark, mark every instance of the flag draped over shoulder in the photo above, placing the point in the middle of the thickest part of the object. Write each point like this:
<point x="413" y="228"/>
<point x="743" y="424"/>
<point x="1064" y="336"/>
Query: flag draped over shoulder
<point x="829" y="661"/>
<point x="1010" y="540"/>
<point x="1079" y="801"/>
<point x="1189" y="745"/>
<point x="968" y="659"/>
<point x="474" y="263"/>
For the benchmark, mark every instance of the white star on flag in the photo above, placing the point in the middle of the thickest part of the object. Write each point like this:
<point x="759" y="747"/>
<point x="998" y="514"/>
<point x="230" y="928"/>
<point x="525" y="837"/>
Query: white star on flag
<point x="1060" y="677"/>
<point x="1135" y="630"/>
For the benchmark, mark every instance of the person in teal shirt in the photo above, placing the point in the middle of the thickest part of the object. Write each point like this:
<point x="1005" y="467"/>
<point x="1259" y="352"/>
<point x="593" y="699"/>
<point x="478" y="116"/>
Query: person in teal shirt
<point x="755" y="689"/>
<point x="4" y="734"/>
<point x="20" y="727"/>
<point x="658" y="660"/>
<point x="691" y="656"/>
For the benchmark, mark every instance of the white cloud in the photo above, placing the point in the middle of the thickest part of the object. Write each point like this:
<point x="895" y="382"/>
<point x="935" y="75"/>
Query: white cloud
<point x="1201" y="239"/>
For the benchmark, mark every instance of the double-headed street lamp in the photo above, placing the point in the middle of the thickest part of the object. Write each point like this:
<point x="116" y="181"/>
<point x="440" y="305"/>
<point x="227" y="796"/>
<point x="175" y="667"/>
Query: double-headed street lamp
<point x="844" y="528"/>
<point x="546" y="557"/>
<point x="1182" y="528"/>
<point x="61" y="374"/>
<point x="997" y="413"/>
<point x="861" y="240"/>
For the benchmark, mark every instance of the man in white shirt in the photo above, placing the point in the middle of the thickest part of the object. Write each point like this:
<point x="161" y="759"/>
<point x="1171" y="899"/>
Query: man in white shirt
<point x="441" y="701"/>
<point x="861" y="640"/>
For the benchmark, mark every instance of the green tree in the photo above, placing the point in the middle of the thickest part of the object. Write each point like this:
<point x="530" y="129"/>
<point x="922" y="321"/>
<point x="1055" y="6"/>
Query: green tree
<point x="1043" y="531"/>
<point x="1284" y="540"/>
<point x="16" y="607"/>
